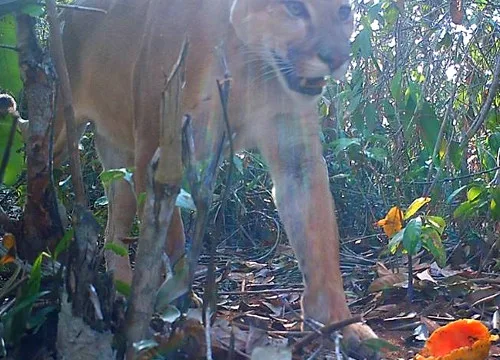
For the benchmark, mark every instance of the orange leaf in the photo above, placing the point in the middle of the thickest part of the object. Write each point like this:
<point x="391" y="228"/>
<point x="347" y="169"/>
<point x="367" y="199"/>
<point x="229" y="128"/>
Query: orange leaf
<point x="461" y="339"/>
<point x="7" y="258"/>
<point x="9" y="241"/>
<point x="393" y="221"/>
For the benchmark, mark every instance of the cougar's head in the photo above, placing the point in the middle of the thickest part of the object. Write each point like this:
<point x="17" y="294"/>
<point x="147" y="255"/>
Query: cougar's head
<point x="303" y="40"/>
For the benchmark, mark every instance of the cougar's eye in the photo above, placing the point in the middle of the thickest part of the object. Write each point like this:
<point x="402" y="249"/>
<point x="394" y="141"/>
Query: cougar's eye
<point x="296" y="9"/>
<point x="344" y="12"/>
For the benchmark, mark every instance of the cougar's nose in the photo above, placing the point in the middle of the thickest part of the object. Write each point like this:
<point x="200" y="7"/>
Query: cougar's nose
<point x="333" y="58"/>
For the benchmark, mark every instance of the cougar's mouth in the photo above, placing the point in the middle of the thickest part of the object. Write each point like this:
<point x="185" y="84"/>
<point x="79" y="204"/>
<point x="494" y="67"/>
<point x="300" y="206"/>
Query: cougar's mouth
<point x="304" y="85"/>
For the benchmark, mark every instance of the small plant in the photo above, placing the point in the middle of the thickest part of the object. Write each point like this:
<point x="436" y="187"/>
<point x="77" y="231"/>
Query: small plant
<point x="410" y="233"/>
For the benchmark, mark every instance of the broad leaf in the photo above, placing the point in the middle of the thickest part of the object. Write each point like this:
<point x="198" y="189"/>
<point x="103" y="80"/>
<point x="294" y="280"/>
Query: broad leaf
<point x="431" y="240"/>
<point x="412" y="236"/>
<point x="10" y="76"/>
<point x="415" y="206"/>
<point x="437" y="222"/>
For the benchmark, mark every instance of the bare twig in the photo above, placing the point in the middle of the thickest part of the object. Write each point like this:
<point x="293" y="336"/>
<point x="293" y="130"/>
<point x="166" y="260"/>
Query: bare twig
<point x="449" y="179"/>
<point x="67" y="99"/>
<point x="324" y="331"/>
<point x="483" y="114"/>
<point x="263" y="292"/>
<point x="82" y="8"/>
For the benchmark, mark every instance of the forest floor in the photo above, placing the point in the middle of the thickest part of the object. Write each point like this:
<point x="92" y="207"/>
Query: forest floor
<point x="259" y="302"/>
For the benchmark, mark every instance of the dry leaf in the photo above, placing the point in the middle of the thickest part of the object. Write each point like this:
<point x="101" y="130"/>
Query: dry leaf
<point x="387" y="282"/>
<point x="393" y="221"/>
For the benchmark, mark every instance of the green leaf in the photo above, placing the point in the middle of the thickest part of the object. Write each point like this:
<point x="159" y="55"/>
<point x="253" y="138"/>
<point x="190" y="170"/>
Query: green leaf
<point x="122" y="287"/>
<point x="465" y="209"/>
<point x="377" y="154"/>
<point x="35" y="275"/>
<point x="378" y="344"/>
<point x="432" y="242"/>
<point x="64" y="243"/>
<point x="116" y="248"/>
<point x="455" y="154"/>
<point x="395" y="241"/>
<point x="102" y="201"/>
<point x="10" y="76"/>
<point x="396" y="85"/>
<point x="495" y="203"/>
<point x="170" y="314"/>
<point x="371" y="118"/>
<point x="474" y="192"/>
<point x="437" y="222"/>
<point x="493" y="142"/>
<point x="344" y="143"/>
<point x="411" y="237"/>
<point x="428" y="125"/>
<point x="35" y="322"/>
<point x="16" y="164"/>
<point x="415" y="206"/>
<point x="33" y="10"/>
<point x="108" y="176"/>
<point x="454" y="194"/>
<point x="363" y="44"/>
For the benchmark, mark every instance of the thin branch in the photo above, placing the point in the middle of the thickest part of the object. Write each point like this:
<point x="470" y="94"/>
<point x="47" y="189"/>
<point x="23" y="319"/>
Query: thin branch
<point x="82" y="8"/>
<point x="67" y="99"/>
<point x="483" y="114"/>
<point x="453" y="178"/>
<point x="9" y="47"/>
<point x="324" y="331"/>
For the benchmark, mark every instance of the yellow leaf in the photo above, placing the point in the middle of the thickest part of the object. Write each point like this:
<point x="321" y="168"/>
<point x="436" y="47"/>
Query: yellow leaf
<point x="416" y="205"/>
<point x="393" y="221"/>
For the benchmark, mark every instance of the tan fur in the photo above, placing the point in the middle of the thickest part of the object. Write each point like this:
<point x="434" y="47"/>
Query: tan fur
<point x="118" y="63"/>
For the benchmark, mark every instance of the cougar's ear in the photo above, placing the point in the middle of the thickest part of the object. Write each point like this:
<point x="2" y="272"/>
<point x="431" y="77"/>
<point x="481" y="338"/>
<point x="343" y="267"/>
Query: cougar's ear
<point x="246" y="16"/>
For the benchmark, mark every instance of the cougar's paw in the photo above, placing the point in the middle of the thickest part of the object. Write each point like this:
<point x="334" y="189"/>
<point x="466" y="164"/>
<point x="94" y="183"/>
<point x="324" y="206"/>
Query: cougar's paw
<point x="354" y="335"/>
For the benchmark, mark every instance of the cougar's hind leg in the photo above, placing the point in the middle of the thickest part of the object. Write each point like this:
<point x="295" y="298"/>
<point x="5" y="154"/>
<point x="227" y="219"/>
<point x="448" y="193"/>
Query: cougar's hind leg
<point x="121" y="206"/>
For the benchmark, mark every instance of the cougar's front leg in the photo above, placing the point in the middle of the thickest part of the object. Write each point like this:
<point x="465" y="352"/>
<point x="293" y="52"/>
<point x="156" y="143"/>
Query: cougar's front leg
<point x="294" y="154"/>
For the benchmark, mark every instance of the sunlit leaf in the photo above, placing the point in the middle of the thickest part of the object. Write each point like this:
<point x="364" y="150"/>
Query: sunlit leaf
<point x="10" y="77"/>
<point x="463" y="210"/>
<point x="116" y="248"/>
<point x="122" y="287"/>
<point x="411" y="237"/>
<point x="474" y="192"/>
<point x="437" y="222"/>
<point x="16" y="157"/>
<point x="64" y="243"/>
<point x="393" y="221"/>
<point x="395" y="242"/>
<point x="431" y="240"/>
<point x="108" y="176"/>
<point x="415" y="206"/>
